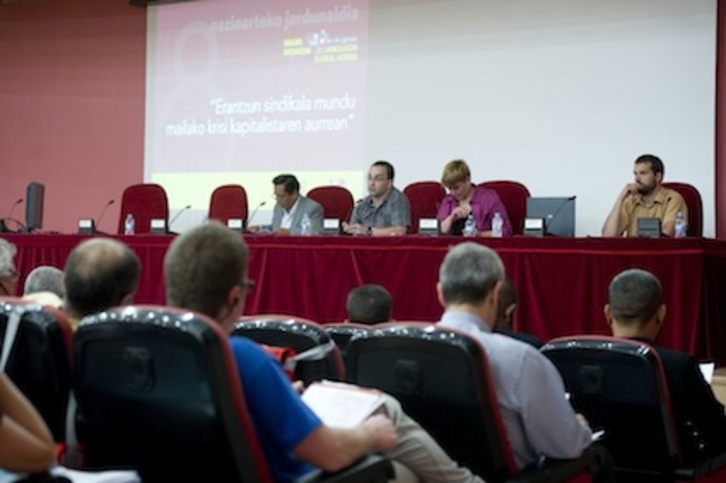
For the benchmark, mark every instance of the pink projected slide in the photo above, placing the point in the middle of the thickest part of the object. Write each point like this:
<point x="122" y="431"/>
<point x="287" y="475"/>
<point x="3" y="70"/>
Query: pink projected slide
<point x="246" y="85"/>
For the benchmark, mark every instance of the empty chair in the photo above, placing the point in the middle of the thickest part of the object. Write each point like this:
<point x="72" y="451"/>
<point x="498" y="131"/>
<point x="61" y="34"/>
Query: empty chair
<point x="619" y="385"/>
<point x="37" y="342"/>
<point x="424" y="198"/>
<point x="337" y="201"/>
<point x="514" y="197"/>
<point x="695" y="206"/>
<point x="441" y="377"/>
<point x="146" y="201"/>
<point x="228" y="201"/>
<point x="317" y="356"/>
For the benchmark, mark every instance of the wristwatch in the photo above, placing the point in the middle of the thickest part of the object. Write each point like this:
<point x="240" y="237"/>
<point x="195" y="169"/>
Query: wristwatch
<point x="369" y="231"/>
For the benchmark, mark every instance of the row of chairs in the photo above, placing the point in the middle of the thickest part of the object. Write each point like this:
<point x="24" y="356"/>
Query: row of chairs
<point x="158" y="391"/>
<point x="149" y="201"/>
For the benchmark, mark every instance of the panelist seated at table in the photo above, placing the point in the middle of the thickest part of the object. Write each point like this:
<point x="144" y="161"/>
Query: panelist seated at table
<point x="385" y="211"/>
<point x="636" y="311"/>
<point x="645" y="197"/>
<point x="464" y="198"/>
<point x="293" y="210"/>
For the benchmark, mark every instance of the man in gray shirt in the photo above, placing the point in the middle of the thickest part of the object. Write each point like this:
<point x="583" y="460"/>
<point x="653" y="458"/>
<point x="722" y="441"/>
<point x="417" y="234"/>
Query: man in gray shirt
<point x="385" y="211"/>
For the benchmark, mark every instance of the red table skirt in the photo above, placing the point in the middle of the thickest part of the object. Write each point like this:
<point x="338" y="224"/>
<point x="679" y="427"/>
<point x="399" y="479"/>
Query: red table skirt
<point x="561" y="283"/>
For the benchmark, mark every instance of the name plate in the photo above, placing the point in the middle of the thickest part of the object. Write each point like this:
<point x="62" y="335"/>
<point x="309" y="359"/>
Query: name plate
<point x="86" y="226"/>
<point x="236" y="224"/>
<point x="428" y="226"/>
<point x="331" y="226"/>
<point x="158" y="226"/>
<point x="649" y="227"/>
<point x="534" y="227"/>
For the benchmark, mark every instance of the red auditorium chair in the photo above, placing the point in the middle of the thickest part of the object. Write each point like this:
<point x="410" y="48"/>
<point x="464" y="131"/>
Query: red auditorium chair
<point x="317" y="356"/>
<point x="337" y="201"/>
<point x="620" y="386"/>
<point x="158" y="391"/>
<point x="514" y="197"/>
<point x="228" y="201"/>
<point x="145" y="201"/>
<point x="695" y="206"/>
<point x="425" y="198"/>
<point x="442" y="379"/>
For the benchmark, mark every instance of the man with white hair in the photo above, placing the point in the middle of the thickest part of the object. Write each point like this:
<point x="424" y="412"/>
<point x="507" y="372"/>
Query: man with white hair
<point x="8" y="274"/>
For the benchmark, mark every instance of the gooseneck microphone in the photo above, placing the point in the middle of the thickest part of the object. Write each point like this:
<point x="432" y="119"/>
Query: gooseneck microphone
<point x="103" y="212"/>
<point x="3" y="225"/>
<point x="178" y="214"/>
<point x="254" y="212"/>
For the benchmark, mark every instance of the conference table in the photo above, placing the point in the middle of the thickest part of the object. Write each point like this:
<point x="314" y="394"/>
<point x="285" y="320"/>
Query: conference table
<point x="561" y="282"/>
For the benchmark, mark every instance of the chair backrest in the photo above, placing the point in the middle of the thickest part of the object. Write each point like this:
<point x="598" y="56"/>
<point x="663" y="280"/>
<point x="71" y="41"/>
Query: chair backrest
<point x="441" y="377"/>
<point x="619" y="385"/>
<point x="228" y="201"/>
<point x="514" y="197"/>
<point x="425" y="198"/>
<point x="317" y="356"/>
<point x="145" y="201"/>
<point x="337" y="201"/>
<point x="158" y="390"/>
<point x="694" y="203"/>
<point x="39" y="358"/>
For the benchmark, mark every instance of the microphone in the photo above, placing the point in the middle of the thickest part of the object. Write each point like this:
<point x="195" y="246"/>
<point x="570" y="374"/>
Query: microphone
<point x="553" y="216"/>
<point x="3" y="226"/>
<point x="103" y="212"/>
<point x="178" y="213"/>
<point x="254" y="212"/>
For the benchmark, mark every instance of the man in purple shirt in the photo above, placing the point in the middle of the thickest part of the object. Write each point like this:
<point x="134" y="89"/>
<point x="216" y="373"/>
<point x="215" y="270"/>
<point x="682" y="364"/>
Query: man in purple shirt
<point x="465" y="198"/>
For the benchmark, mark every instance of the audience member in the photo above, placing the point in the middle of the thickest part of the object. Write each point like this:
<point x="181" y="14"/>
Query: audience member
<point x="44" y="285"/>
<point x="537" y="417"/>
<point x="645" y="198"/>
<point x="506" y="305"/>
<point x="385" y="211"/>
<point x="100" y="273"/>
<point x="465" y="198"/>
<point x="369" y="304"/>
<point x="636" y="311"/>
<point x="26" y="444"/>
<point x="8" y="274"/>
<point x="206" y="271"/>
<point x="291" y="208"/>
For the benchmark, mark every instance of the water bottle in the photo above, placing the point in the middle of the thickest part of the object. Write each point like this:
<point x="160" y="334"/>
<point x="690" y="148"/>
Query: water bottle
<point x="129" y="224"/>
<point x="497" y="224"/>
<point x="681" y="226"/>
<point x="306" y="227"/>
<point x="469" y="226"/>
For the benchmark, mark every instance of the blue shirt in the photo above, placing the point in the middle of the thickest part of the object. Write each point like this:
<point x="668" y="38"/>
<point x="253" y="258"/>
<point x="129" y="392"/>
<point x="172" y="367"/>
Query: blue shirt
<point x="281" y="419"/>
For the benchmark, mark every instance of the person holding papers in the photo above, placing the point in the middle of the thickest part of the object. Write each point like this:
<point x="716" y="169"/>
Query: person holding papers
<point x="636" y="311"/>
<point x="206" y="271"/>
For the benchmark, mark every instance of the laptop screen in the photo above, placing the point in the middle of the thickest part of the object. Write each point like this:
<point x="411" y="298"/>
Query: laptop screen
<point x="558" y="214"/>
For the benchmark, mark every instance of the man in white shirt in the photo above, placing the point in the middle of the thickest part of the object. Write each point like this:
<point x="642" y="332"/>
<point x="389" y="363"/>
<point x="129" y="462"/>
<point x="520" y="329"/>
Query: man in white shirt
<point x="536" y="415"/>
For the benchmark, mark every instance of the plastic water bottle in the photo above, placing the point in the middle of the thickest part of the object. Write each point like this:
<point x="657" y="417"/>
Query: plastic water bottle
<point x="681" y="226"/>
<point x="306" y="227"/>
<point x="469" y="226"/>
<point x="497" y="224"/>
<point x="129" y="224"/>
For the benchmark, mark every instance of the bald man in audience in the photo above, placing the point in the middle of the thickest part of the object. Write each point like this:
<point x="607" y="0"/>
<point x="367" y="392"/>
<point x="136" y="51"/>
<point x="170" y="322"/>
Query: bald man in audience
<point x="506" y="306"/>
<point x="206" y="271"/>
<point x="636" y="310"/>
<point x="100" y="273"/>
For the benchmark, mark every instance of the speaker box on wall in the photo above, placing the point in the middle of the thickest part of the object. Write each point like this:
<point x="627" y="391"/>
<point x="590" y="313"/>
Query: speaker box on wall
<point x="34" y="206"/>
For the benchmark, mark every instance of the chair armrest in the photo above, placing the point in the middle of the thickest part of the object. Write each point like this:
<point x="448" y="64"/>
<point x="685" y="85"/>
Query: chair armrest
<point x="592" y="461"/>
<point x="373" y="468"/>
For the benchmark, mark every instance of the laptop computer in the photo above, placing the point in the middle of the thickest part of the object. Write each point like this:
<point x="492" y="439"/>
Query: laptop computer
<point x="558" y="214"/>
